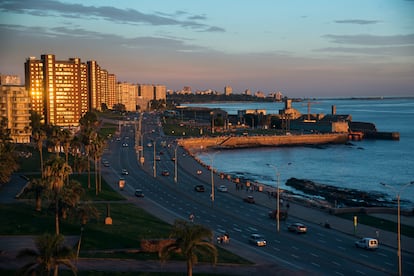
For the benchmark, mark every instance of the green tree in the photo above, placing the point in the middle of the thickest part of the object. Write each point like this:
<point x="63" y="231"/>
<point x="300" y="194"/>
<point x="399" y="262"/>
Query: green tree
<point x="86" y="211"/>
<point x="39" y="136"/>
<point x="8" y="163"/>
<point x="50" y="252"/>
<point x="89" y="120"/>
<point x="38" y="186"/>
<point x="35" y="121"/>
<point x="192" y="241"/>
<point x="56" y="173"/>
<point x="69" y="197"/>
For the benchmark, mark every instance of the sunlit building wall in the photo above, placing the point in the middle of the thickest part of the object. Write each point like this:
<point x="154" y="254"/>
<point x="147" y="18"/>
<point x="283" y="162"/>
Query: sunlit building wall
<point x="57" y="89"/>
<point x="127" y="94"/>
<point x="15" y="106"/>
<point x="111" y="96"/>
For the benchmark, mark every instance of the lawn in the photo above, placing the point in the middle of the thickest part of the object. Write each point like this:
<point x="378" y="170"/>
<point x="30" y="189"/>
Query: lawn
<point x="382" y="224"/>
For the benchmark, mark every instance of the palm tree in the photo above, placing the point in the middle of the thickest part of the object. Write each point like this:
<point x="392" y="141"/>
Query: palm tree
<point x="69" y="197"/>
<point x="88" y="136"/>
<point x="39" y="136"/>
<point x="38" y="186"/>
<point x="55" y="138"/>
<point x="50" y="252"/>
<point x="192" y="240"/>
<point x="56" y="172"/>
<point x="66" y="139"/>
<point x="86" y="211"/>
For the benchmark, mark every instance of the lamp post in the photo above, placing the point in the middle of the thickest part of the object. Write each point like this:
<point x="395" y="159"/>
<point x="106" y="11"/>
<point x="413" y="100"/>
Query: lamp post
<point x="155" y="161"/>
<point x="212" y="176"/>
<point x="398" y="192"/>
<point x="277" y="196"/>
<point x="175" y="164"/>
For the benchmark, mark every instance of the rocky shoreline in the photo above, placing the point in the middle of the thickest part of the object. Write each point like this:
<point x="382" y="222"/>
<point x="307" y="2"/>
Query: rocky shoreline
<point x="341" y="197"/>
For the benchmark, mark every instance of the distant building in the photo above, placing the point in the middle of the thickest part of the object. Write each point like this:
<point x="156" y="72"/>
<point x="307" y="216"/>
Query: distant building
<point x="15" y="106"/>
<point x="9" y="80"/>
<point x="259" y="94"/>
<point x="248" y="92"/>
<point x="228" y="90"/>
<point x="127" y="95"/>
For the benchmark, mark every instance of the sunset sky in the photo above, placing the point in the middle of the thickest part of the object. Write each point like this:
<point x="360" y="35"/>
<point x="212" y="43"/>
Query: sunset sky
<point x="303" y="48"/>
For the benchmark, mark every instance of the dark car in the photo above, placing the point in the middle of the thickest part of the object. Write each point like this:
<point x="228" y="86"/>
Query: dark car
<point x="199" y="188"/>
<point x="165" y="173"/>
<point x="298" y="228"/>
<point x="249" y="199"/>
<point x="139" y="193"/>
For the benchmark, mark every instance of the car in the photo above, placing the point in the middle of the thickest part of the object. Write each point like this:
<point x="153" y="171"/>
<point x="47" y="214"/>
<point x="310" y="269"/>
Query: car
<point x="199" y="188"/>
<point x="367" y="243"/>
<point x="125" y="145"/>
<point x="139" y="193"/>
<point x="149" y="145"/>
<point x="249" y="199"/>
<point x="106" y="163"/>
<point x="125" y="172"/>
<point x="157" y="158"/>
<point x="298" y="228"/>
<point x="199" y="172"/>
<point x="257" y="240"/>
<point x="222" y="188"/>
<point x="165" y="173"/>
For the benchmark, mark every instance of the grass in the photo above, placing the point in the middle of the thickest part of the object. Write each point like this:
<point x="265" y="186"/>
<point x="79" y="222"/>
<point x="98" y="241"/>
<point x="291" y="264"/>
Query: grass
<point x="379" y="223"/>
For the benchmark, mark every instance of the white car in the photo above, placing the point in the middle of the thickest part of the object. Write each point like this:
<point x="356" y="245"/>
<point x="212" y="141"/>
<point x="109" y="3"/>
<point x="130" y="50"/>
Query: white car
<point x="367" y="243"/>
<point x="222" y="188"/>
<point x="125" y="172"/>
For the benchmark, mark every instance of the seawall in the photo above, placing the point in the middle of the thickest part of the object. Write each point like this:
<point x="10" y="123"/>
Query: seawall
<point x="234" y="142"/>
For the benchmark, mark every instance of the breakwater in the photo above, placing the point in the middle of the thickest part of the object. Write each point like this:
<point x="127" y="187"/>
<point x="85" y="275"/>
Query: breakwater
<point x="235" y="142"/>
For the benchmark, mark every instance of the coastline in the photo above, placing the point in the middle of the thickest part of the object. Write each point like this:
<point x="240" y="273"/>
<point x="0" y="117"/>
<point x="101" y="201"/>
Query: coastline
<point x="332" y="199"/>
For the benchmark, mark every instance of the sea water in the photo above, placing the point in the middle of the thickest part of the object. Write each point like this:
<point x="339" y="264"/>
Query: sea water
<point x="364" y="165"/>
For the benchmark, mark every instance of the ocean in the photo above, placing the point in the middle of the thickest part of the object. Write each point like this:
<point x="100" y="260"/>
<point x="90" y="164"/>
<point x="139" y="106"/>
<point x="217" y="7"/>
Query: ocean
<point x="364" y="165"/>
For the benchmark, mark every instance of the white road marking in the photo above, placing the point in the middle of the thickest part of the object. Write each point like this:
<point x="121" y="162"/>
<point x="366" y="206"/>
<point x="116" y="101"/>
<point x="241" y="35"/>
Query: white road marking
<point x="315" y="255"/>
<point x="337" y="264"/>
<point x="315" y="264"/>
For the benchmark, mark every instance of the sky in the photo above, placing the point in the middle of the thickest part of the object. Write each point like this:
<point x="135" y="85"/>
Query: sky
<point x="303" y="48"/>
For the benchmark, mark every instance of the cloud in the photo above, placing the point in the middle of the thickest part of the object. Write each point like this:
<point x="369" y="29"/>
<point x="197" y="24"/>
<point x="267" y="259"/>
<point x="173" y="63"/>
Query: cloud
<point x="383" y="51"/>
<point x="131" y="16"/>
<point x="357" y="21"/>
<point x="374" y="40"/>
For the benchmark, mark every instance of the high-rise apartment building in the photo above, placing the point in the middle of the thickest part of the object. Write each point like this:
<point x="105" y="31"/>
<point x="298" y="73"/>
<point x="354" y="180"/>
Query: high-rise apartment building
<point x="127" y="95"/>
<point x="110" y="99"/>
<point x="58" y="89"/>
<point x="228" y="90"/>
<point x="15" y="106"/>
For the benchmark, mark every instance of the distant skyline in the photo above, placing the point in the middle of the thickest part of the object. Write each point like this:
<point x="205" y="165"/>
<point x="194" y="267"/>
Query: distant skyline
<point x="303" y="48"/>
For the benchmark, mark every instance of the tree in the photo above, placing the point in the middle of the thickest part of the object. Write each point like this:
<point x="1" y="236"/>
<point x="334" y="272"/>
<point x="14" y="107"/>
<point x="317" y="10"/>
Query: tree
<point x="8" y="163"/>
<point x="89" y="120"/>
<point x="56" y="173"/>
<point x="38" y="186"/>
<point x="39" y="136"/>
<point x="192" y="240"/>
<point x="35" y="121"/>
<point x="50" y="252"/>
<point x="69" y="197"/>
<point x="85" y="212"/>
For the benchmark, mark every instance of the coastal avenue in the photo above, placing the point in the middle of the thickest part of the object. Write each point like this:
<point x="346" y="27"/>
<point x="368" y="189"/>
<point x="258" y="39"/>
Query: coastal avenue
<point x="321" y="250"/>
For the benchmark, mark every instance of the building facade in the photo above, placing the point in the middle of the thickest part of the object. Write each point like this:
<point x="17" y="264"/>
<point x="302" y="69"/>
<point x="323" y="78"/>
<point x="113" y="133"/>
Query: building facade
<point x="15" y="106"/>
<point x="58" y="89"/>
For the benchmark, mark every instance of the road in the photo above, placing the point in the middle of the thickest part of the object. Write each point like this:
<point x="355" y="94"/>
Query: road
<point x="320" y="251"/>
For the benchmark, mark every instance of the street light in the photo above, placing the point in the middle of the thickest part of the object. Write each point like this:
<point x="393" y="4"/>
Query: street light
<point x="277" y="195"/>
<point x="398" y="192"/>
<point x="212" y="175"/>
<point x="175" y="164"/>
<point x="155" y="161"/>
